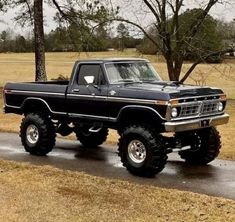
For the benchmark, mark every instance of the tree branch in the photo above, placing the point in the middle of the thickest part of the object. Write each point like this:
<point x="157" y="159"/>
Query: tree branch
<point x="159" y="6"/>
<point x="29" y="10"/>
<point x="220" y="53"/>
<point x="59" y="8"/>
<point x="152" y="10"/>
<point x="140" y="28"/>
<point x="198" y="22"/>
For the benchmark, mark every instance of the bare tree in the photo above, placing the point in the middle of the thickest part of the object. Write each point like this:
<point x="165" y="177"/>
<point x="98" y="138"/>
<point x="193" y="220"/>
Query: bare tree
<point x="31" y="12"/>
<point x="170" y="41"/>
<point x="40" y="72"/>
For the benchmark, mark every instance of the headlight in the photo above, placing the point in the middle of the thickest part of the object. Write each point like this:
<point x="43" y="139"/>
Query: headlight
<point x="220" y="107"/>
<point x="174" y="112"/>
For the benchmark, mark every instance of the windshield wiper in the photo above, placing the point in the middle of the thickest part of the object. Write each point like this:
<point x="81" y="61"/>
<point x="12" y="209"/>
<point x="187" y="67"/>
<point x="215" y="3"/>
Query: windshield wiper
<point x="133" y="82"/>
<point x="150" y="80"/>
<point x="127" y="81"/>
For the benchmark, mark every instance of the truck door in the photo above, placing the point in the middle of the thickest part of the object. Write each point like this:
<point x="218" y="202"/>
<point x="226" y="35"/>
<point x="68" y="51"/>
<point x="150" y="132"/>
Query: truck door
<point x="87" y="96"/>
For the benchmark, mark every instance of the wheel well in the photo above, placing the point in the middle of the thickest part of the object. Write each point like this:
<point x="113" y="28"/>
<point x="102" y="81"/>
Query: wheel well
<point x="33" y="105"/>
<point x="145" y="116"/>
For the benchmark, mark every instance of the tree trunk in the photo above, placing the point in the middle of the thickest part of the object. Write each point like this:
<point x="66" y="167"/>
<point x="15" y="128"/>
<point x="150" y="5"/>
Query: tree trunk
<point x="173" y="67"/>
<point x="178" y="67"/>
<point x="170" y="69"/>
<point x="40" y="74"/>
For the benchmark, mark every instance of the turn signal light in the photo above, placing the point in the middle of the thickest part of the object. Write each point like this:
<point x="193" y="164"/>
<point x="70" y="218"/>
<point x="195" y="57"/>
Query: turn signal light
<point x="174" y="102"/>
<point x="223" y="97"/>
<point x="165" y="103"/>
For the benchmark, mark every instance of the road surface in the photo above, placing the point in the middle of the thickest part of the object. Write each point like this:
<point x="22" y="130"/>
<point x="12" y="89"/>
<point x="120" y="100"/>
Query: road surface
<point x="216" y="179"/>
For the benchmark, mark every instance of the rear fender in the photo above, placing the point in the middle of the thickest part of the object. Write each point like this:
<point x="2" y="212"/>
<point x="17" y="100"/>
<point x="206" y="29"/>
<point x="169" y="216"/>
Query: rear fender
<point x="35" y="104"/>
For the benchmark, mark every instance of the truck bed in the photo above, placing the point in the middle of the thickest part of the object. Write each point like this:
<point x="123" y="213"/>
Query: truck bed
<point x="51" y="92"/>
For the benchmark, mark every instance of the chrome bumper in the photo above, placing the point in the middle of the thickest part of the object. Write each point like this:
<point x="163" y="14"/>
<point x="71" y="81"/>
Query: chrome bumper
<point x="179" y="126"/>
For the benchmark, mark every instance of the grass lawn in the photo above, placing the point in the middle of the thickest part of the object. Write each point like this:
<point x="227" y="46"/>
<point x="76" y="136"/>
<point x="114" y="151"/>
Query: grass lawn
<point x="30" y="193"/>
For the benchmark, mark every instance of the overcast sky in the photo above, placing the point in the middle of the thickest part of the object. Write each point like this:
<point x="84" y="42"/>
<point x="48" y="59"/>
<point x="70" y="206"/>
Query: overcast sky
<point x="220" y="11"/>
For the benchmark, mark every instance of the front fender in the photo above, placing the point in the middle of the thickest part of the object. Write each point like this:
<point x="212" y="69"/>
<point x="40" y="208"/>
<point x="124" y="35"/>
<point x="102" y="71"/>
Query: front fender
<point x="142" y="111"/>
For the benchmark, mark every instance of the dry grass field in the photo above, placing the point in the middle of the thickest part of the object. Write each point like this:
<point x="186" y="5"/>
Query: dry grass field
<point x="39" y="194"/>
<point x="228" y="134"/>
<point x="20" y="67"/>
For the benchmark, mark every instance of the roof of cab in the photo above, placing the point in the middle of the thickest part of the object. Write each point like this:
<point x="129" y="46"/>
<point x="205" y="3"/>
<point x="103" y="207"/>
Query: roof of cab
<point x="106" y="60"/>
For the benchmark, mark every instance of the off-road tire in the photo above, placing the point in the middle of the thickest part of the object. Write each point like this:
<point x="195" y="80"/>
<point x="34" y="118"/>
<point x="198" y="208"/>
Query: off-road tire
<point x="205" y="146"/>
<point x="46" y="132"/>
<point x="156" y="156"/>
<point x="91" y="139"/>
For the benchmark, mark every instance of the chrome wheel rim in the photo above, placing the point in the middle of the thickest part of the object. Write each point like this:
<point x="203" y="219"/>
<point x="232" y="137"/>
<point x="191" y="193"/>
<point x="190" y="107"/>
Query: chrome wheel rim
<point x="137" y="151"/>
<point x="32" y="134"/>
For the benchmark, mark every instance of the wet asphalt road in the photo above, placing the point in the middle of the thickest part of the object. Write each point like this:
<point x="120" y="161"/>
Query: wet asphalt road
<point x="216" y="179"/>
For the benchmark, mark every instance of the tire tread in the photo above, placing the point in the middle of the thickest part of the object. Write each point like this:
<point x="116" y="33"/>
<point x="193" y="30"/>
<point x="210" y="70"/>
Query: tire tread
<point x="210" y="149"/>
<point x="47" y="134"/>
<point x="158" y="158"/>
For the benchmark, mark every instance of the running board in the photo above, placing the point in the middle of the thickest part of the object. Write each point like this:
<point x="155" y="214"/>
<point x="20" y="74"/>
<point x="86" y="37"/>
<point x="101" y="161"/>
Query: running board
<point x="93" y="129"/>
<point x="170" y="150"/>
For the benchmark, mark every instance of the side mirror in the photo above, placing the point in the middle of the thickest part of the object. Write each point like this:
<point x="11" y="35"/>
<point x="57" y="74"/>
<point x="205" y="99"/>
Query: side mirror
<point x="89" y="79"/>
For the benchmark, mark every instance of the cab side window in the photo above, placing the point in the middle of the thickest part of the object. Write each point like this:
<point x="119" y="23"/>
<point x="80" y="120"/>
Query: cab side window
<point x="91" y="74"/>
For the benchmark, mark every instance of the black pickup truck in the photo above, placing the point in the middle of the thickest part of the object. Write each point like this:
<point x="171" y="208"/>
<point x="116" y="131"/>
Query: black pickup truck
<point x="126" y="95"/>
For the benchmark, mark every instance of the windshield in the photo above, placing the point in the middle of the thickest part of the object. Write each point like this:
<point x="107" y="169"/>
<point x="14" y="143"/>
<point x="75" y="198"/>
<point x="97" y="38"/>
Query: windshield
<point x="131" y="72"/>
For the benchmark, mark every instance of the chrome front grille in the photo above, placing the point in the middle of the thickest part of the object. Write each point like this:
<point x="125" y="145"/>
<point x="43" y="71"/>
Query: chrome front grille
<point x="190" y="110"/>
<point x="199" y="108"/>
<point x="210" y="107"/>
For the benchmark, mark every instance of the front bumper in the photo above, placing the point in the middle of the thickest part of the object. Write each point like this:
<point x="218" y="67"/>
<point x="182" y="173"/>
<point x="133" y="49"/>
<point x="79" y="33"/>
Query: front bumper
<point x="186" y="125"/>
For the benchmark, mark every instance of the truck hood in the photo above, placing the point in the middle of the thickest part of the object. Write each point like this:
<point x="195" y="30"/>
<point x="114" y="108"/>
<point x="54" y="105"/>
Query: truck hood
<point x="164" y="90"/>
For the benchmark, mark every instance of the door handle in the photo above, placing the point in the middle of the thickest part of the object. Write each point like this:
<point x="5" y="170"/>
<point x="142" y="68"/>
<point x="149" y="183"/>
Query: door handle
<point x="75" y="90"/>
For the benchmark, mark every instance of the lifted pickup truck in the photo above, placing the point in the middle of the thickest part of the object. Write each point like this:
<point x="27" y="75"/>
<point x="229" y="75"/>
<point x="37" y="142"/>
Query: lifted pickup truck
<point x="126" y="95"/>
